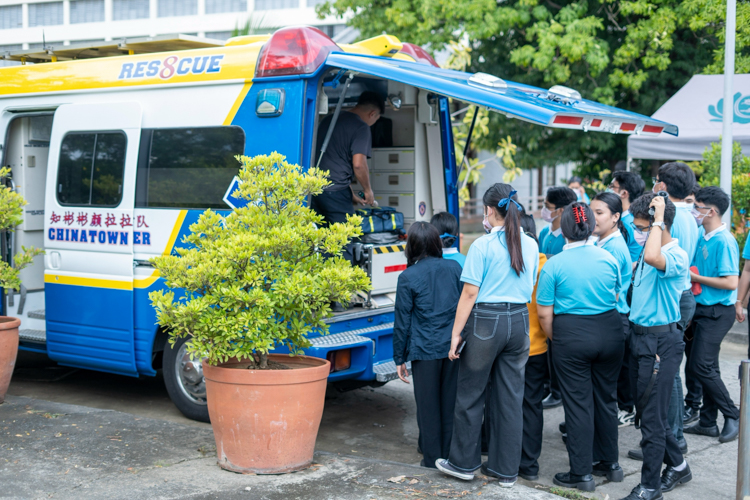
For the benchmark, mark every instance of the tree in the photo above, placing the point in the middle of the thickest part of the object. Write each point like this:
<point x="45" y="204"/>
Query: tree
<point x="634" y="54"/>
<point x="262" y="277"/>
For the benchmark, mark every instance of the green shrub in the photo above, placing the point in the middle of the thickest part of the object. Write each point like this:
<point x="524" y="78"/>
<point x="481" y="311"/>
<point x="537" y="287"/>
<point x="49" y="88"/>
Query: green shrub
<point x="261" y="277"/>
<point x="11" y="215"/>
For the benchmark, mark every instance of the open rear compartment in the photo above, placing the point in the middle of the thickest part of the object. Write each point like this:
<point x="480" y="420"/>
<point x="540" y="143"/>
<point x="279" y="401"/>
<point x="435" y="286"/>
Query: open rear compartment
<point x="26" y="154"/>
<point x="406" y="168"/>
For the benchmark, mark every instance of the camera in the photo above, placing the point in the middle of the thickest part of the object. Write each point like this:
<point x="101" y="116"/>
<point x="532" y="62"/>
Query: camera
<point x="652" y="211"/>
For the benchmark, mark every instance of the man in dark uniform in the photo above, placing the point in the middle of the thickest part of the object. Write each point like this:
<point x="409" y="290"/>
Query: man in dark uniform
<point x="346" y="156"/>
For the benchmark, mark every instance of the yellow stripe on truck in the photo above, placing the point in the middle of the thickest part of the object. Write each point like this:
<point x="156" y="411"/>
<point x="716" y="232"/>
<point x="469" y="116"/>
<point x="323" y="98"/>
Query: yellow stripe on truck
<point x="60" y="279"/>
<point x="389" y="249"/>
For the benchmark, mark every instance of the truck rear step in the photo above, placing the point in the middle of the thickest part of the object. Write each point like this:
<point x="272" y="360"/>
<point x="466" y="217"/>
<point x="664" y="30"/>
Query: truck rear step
<point x="34" y="336"/>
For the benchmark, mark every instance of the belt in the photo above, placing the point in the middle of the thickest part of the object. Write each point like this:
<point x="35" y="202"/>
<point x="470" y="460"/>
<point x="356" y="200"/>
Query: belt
<point x="643" y="330"/>
<point x="500" y="306"/>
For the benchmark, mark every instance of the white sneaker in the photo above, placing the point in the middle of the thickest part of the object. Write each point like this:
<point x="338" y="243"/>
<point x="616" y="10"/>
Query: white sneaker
<point x="625" y="418"/>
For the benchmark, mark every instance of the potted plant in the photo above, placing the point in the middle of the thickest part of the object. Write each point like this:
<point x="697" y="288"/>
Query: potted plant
<point x="11" y="215"/>
<point x="261" y="278"/>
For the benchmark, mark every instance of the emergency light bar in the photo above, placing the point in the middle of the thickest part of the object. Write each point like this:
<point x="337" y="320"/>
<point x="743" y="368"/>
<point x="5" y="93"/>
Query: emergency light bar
<point x="418" y="54"/>
<point x="294" y="51"/>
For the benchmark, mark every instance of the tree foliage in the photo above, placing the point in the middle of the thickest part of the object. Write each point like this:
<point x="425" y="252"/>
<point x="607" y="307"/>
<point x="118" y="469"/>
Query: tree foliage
<point x="263" y="276"/>
<point x="11" y="215"/>
<point x="633" y="54"/>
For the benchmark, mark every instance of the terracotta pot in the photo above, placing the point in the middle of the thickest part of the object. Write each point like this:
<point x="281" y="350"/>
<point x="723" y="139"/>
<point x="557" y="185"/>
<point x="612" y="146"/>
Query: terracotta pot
<point x="8" y="350"/>
<point x="266" y="421"/>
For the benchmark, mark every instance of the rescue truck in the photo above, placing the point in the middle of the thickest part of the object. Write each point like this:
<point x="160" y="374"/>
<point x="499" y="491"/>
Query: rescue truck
<point x="119" y="146"/>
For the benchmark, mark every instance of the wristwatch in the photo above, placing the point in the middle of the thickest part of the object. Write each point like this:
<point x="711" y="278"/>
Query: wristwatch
<point x="660" y="225"/>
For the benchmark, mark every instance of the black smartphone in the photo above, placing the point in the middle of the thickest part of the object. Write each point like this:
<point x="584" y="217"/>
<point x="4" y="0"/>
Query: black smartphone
<point x="461" y="346"/>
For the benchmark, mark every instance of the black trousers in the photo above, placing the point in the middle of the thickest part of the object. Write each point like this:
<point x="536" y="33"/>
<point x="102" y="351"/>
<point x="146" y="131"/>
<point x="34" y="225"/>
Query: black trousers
<point x="435" y="394"/>
<point x="587" y="356"/>
<point x="554" y="385"/>
<point x="491" y="370"/>
<point x="625" y="399"/>
<point x="533" y="419"/>
<point x="659" y="443"/>
<point x="334" y="206"/>
<point x="710" y="326"/>
<point x="694" y="394"/>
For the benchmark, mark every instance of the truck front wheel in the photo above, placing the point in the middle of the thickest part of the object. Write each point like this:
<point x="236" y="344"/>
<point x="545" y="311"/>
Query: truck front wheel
<point x="183" y="377"/>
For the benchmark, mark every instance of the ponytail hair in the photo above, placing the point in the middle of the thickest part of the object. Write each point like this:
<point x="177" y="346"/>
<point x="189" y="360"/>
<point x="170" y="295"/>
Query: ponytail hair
<point x="577" y="221"/>
<point x="502" y="198"/>
<point x="614" y="204"/>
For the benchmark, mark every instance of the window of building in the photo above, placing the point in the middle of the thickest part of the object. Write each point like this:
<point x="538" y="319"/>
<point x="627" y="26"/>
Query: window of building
<point x="313" y="3"/>
<point x="9" y="48"/>
<point x="11" y="17"/>
<point x="45" y="14"/>
<point x="174" y="8"/>
<point x="41" y="45"/>
<point x="86" y="11"/>
<point x="276" y="4"/>
<point x="187" y="167"/>
<point x="129" y="9"/>
<point x="218" y="6"/>
<point x="219" y="35"/>
<point x="91" y="169"/>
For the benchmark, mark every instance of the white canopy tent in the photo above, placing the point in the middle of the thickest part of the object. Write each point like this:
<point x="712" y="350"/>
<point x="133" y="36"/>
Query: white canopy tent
<point x="697" y="110"/>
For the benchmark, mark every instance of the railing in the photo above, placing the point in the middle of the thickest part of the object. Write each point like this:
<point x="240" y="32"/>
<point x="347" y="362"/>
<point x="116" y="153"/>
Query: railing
<point x="471" y="212"/>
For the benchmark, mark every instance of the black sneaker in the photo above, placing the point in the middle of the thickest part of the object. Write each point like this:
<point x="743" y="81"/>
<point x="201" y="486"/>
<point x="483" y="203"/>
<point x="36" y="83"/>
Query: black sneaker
<point x="641" y="493"/>
<point x="698" y="429"/>
<point x="503" y="482"/>
<point x="563" y="428"/>
<point x="528" y="476"/>
<point x="613" y="472"/>
<point x="445" y="467"/>
<point x="690" y="415"/>
<point x="568" y="480"/>
<point x="670" y="478"/>
<point x="551" y="402"/>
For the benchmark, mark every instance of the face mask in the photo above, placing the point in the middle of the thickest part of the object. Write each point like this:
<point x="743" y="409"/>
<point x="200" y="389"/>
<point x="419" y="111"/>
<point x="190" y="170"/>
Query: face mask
<point x="547" y="215"/>
<point x="640" y="237"/>
<point x="486" y="224"/>
<point x="698" y="216"/>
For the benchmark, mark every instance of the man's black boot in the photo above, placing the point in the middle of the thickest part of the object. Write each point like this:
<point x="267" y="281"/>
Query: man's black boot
<point x="568" y="480"/>
<point x="730" y="431"/>
<point x="613" y="471"/>
<point x="698" y="429"/>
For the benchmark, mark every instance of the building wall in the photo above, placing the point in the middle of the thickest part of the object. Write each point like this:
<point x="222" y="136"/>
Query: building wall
<point x="25" y="24"/>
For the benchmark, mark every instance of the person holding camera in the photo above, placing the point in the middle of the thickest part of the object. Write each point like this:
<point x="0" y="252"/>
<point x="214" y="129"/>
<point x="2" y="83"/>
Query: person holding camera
<point x="491" y="336"/>
<point x="656" y="344"/>
<point x="578" y="312"/>
<point x="718" y="261"/>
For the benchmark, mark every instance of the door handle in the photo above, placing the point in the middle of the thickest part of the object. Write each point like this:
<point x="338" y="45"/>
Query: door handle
<point x="54" y="260"/>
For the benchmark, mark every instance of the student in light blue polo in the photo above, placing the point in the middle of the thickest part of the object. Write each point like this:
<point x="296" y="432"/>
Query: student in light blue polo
<point x="493" y="320"/>
<point x="447" y="226"/>
<point x="678" y="180"/>
<point x="551" y="240"/>
<point x="613" y="238"/>
<point x="656" y="344"/>
<point x="577" y="305"/>
<point x="718" y="261"/>
<point x="628" y="186"/>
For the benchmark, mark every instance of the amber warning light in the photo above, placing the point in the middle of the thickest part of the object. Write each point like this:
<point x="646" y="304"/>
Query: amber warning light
<point x="294" y="51"/>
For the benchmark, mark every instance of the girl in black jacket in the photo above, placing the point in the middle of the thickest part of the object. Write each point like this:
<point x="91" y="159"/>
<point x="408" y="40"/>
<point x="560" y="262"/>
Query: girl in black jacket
<point x="426" y="299"/>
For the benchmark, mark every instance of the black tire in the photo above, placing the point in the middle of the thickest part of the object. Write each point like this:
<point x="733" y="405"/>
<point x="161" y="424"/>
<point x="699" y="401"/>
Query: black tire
<point x="181" y="392"/>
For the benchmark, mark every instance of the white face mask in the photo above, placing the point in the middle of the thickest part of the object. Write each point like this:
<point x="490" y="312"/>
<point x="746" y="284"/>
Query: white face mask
<point x="640" y="237"/>
<point x="698" y="216"/>
<point x="547" y="215"/>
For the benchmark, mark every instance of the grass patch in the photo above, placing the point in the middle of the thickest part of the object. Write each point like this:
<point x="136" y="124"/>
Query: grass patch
<point x="566" y="493"/>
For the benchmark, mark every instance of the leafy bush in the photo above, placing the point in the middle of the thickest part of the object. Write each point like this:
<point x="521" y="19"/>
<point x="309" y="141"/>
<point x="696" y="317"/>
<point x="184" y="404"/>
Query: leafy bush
<point x="709" y="174"/>
<point x="263" y="276"/>
<point x="11" y="215"/>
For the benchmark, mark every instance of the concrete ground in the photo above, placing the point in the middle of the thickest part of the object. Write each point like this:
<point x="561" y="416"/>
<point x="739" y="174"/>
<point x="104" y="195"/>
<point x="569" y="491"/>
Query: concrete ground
<point x="55" y="442"/>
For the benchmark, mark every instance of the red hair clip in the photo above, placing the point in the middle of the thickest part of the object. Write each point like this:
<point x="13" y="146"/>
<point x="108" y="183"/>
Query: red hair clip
<point x="580" y="214"/>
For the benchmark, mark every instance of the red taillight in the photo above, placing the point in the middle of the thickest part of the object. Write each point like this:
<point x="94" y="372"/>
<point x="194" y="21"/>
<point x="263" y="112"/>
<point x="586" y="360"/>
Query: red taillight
<point x="294" y="51"/>
<point x="568" y="120"/>
<point x="418" y="54"/>
<point x="627" y="127"/>
<point x="394" y="269"/>
<point x="650" y="129"/>
<point x="596" y="123"/>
